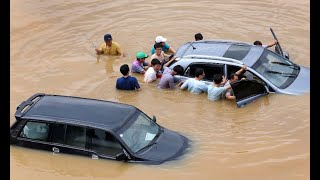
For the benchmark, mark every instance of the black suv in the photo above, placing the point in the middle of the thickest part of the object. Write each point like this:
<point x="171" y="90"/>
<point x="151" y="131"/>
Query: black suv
<point x="94" y="128"/>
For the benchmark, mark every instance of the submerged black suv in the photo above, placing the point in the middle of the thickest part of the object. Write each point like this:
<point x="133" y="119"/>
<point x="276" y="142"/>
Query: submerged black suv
<point x="94" y="128"/>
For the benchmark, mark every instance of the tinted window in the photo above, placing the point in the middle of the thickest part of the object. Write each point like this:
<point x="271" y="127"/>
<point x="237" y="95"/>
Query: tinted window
<point x="36" y="130"/>
<point x="245" y="74"/>
<point x="237" y="51"/>
<point x="58" y="133"/>
<point x="209" y="70"/>
<point x="232" y="69"/>
<point x="104" y="143"/>
<point x="245" y="88"/>
<point x="76" y="136"/>
<point x="70" y="135"/>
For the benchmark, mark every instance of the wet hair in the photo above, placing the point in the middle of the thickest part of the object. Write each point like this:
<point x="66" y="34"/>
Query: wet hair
<point x="257" y="43"/>
<point x="157" y="45"/>
<point x="217" y="78"/>
<point x="155" y="61"/>
<point x="199" y="71"/>
<point x="178" y="69"/>
<point x="198" y="36"/>
<point x="124" y="69"/>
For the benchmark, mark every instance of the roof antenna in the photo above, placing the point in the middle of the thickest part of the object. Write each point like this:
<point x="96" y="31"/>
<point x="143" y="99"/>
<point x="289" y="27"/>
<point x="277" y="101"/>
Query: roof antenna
<point x="190" y="43"/>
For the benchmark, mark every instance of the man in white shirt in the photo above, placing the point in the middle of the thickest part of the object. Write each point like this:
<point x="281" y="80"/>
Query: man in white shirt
<point x="151" y="74"/>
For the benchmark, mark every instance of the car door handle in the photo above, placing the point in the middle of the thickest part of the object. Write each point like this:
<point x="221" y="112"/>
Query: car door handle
<point x="55" y="150"/>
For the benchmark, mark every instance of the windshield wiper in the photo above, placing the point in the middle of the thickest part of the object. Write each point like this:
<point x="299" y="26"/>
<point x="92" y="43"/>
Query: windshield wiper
<point x="283" y="74"/>
<point x="284" y="64"/>
<point x="154" y="140"/>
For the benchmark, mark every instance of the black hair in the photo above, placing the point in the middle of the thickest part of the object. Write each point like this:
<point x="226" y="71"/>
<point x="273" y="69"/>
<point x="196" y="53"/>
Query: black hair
<point x="232" y="75"/>
<point x="124" y="69"/>
<point x="217" y="78"/>
<point x="198" y="36"/>
<point x="199" y="71"/>
<point x="155" y="61"/>
<point x="178" y="69"/>
<point x="157" y="45"/>
<point x="257" y="43"/>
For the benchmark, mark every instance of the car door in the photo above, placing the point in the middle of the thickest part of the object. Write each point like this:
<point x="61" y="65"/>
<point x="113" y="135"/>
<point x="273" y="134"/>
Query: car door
<point x="209" y="69"/>
<point x="34" y="134"/>
<point x="247" y="91"/>
<point x="69" y="139"/>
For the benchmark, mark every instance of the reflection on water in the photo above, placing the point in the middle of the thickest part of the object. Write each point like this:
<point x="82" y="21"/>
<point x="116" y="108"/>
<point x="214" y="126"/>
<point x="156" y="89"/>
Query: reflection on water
<point x="267" y="139"/>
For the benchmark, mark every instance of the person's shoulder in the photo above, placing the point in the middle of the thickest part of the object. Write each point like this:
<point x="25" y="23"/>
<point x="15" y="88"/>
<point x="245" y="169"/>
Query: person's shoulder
<point x="115" y="43"/>
<point x="119" y="79"/>
<point x="132" y="78"/>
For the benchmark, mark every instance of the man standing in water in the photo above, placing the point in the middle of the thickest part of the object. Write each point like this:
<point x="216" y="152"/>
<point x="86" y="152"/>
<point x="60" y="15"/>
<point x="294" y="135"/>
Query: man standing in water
<point x="109" y="47"/>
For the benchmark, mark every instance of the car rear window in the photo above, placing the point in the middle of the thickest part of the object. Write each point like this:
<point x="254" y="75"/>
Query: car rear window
<point x="237" y="52"/>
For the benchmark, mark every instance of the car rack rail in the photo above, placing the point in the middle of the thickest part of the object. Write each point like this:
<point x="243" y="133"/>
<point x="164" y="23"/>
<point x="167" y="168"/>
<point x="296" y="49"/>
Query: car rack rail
<point x="213" y="58"/>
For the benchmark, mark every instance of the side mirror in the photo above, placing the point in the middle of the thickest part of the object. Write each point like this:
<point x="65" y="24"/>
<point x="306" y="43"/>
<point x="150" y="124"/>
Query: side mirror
<point x="121" y="156"/>
<point x="286" y="55"/>
<point x="154" y="119"/>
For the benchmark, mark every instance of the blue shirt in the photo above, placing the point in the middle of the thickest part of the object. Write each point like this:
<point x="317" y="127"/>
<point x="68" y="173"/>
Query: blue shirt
<point x="194" y="86"/>
<point x="164" y="48"/>
<point x="127" y="83"/>
<point x="215" y="93"/>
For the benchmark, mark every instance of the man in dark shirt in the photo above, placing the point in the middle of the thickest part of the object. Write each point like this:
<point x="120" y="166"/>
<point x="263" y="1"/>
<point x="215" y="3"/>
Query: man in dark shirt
<point x="127" y="82"/>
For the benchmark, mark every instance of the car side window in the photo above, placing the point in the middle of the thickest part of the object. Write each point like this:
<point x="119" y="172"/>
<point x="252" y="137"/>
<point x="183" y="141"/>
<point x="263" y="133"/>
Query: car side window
<point x="103" y="142"/>
<point x="69" y="135"/>
<point x="209" y="70"/>
<point x="244" y="89"/>
<point x="247" y="75"/>
<point x="36" y="130"/>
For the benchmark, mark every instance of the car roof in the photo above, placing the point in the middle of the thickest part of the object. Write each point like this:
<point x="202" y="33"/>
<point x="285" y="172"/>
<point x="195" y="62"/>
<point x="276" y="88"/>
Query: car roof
<point x="81" y="111"/>
<point x="247" y="53"/>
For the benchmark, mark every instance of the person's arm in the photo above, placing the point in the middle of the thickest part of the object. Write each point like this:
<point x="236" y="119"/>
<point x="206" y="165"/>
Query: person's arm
<point x="224" y="80"/>
<point x="244" y="67"/>
<point x="184" y="85"/>
<point x="170" y="61"/>
<point x="229" y="96"/>
<point x="136" y="84"/>
<point x="272" y="43"/>
<point x="99" y="50"/>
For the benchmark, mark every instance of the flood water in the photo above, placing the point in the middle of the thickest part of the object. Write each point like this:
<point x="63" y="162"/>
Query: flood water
<point x="51" y="51"/>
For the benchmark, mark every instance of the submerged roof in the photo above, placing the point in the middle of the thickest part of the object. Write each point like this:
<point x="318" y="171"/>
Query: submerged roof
<point x="245" y="52"/>
<point x="82" y="111"/>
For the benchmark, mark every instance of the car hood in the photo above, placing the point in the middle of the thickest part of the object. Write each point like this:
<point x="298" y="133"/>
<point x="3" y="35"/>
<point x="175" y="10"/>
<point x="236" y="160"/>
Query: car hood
<point x="301" y="84"/>
<point x="168" y="146"/>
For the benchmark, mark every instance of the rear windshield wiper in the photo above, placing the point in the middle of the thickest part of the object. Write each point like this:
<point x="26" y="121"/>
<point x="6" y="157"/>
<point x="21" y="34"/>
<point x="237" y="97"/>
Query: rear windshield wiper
<point x="284" y="64"/>
<point x="283" y="74"/>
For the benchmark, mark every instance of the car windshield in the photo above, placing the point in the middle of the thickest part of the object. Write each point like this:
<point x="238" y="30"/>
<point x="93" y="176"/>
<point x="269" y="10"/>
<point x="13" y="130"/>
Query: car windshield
<point x="139" y="132"/>
<point x="278" y="70"/>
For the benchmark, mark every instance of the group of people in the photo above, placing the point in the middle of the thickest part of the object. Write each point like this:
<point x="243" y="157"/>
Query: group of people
<point x="162" y="55"/>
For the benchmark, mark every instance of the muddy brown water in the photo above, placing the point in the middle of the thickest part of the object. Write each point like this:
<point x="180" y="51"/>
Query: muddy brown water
<point x="268" y="139"/>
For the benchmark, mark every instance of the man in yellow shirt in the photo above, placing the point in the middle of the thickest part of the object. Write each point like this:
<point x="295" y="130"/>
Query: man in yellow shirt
<point x="109" y="47"/>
